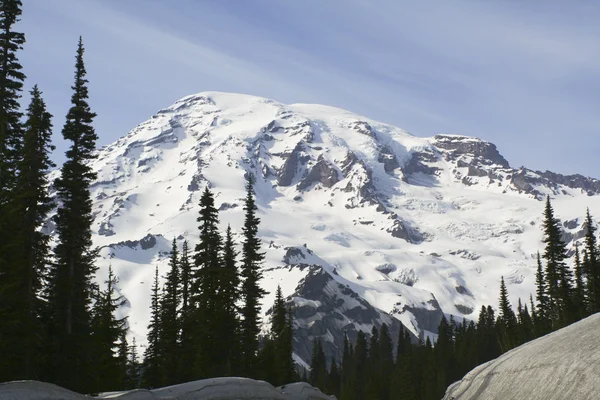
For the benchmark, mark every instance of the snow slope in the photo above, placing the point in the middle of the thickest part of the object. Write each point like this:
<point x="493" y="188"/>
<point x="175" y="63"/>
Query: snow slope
<point x="362" y="223"/>
<point x="561" y="365"/>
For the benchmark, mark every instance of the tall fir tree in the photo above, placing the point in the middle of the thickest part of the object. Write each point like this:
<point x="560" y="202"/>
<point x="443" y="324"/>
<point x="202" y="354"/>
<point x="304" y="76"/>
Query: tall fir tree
<point x="229" y="325"/>
<point x="542" y="322"/>
<point x="591" y="266"/>
<point x="185" y="281"/>
<point x="507" y="320"/>
<point x="361" y="356"/>
<point x="187" y="347"/>
<point x="559" y="277"/>
<point x="207" y="315"/>
<point x="579" y="297"/>
<point x="347" y="391"/>
<point x="30" y="246"/>
<point x="386" y="365"/>
<point x="169" y="321"/>
<point x="152" y="376"/>
<point x="318" y="366"/>
<point x="281" y="334"/>
<point x="11" y="137"/>
<point x="133" y="367"/>
<point x="70" y="286"/>
<point x="252" y="293"/>
<point x="107" y="332"/>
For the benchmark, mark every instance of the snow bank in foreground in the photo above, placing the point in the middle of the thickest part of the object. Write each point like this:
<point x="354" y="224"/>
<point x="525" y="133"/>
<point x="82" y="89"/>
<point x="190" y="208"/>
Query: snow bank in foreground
<point x="208" y="389"/>
<point x="562" y="365"/>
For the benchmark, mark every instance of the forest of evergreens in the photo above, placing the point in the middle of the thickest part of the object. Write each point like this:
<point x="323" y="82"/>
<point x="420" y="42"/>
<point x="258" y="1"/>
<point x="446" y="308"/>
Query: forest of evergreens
<point x="58" y="325"/>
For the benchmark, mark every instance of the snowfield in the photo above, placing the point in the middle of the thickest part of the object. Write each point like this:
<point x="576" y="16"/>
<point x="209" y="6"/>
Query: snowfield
<point x="388" y="226"/>
<point x="561" y="365"/>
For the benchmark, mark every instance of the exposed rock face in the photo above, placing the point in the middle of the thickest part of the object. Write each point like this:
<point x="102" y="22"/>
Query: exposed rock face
<point x="288" y="172"/>
<point x="147" y="242"/>
<point x="322" y="172"/>
<point x="388" y="159"/>
<point x="589" y="185"/>
<point x="419" y="161"/>
<point x="561" y="365"/>
<point x="485" y="152"/>
<point x="428" y="316"/>
<point x="400" y="230"/>
<point x="327" y="309"/>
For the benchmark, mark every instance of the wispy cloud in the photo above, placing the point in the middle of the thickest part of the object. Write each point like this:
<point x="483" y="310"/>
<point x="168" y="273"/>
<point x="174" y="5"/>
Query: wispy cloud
<point x="514" y="73"/>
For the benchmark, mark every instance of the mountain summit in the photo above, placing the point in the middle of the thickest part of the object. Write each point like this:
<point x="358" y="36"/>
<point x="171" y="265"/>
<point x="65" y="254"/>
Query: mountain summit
<point x="362" y="222"/>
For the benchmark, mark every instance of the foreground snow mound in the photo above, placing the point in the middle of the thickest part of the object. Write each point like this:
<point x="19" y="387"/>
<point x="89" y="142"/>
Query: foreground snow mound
<point x="303" y="391"/>
<point x="561" y="365"/>
<point x="207" y="389"/>
<point x="32" y="390"/>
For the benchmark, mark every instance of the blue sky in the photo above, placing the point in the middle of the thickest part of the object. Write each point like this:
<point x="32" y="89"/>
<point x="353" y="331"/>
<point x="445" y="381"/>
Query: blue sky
<point x="524" y="75"/>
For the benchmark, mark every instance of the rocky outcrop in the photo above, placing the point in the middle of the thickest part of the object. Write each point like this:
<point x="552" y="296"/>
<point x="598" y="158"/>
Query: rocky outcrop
<point x="418" y="163"/>
<point x="288" y="171"/>
<point x="455" y="146"/>
<point x="590" y="185"/>
<point x="388" y="159"/>
<point x="145" y="243"/>
<point x="326" y="309"/>
<point x="322" y="172"/>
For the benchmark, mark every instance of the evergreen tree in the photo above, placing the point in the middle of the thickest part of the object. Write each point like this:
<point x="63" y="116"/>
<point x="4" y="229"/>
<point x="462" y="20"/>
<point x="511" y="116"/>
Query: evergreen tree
<point x="187" y="346"/>
<point x="525" y="324"/>
<point x="404" y="385"/>
<point x="281" y="335"/>
<point x="107" y="332"/>
<point x="347" y="391"/>
<point x="443" y="354"/>
<point x="373" y="389"/>
<point x="169" y="321"/>
<point x="386" y="364"/>
<point x="123" y="361"/>
<point x="559" y="277"/>
<point x="12" y="366"/>
<point x="334" y="379"/>
<point x="205" y="293"/>
<point x="133" y="367"/>
<point x="229" y="281"/>
<point x="152" y="368"/>
<point x="11" y="84"/>
<point x="252" y="293"/>
<point x="185" y="272"/>
<point x="542" y="322"/>
<point x="70" y="286"/>
<point x="591" y="266"/>
<point x="361" y="356"/>
<point x="579" y="298"/>
<point x="318" y="366"/>
<point x="507" y="321"/>
<point x="29" y="246"/>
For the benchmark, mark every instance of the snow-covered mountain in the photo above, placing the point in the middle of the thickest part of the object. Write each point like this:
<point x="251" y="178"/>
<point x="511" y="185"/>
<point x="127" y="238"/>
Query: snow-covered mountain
<point x="362" y="223"/>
